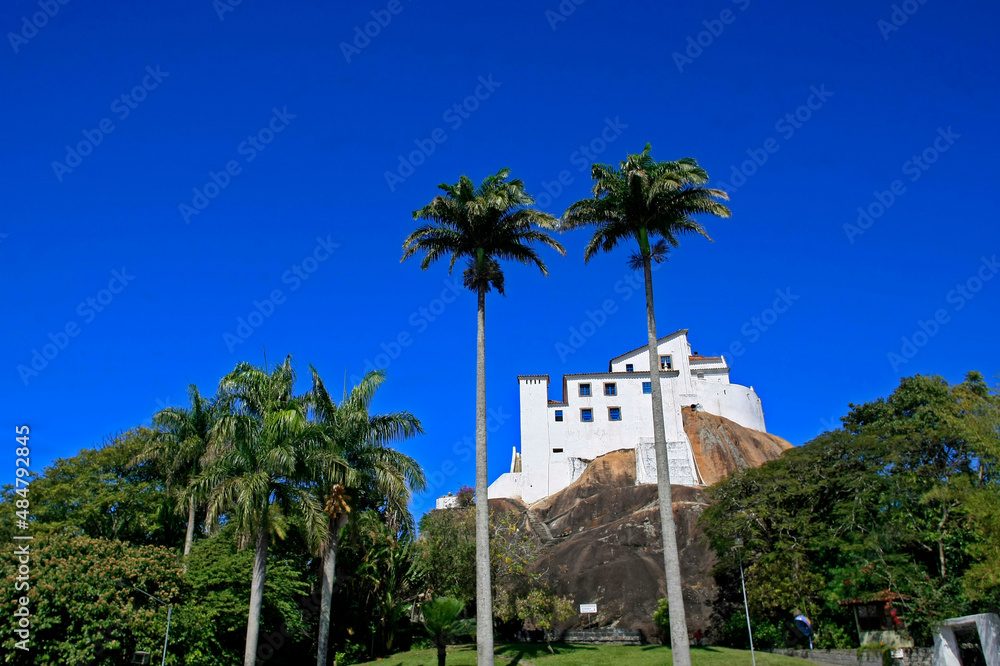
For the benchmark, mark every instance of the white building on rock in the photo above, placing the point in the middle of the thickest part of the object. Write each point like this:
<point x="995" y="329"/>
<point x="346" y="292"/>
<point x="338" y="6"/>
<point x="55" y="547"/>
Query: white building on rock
<point x="602" y="412"/>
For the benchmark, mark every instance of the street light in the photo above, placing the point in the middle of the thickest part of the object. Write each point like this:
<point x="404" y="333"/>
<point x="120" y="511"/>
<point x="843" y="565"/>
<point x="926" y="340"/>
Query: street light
<point x="738" y="546"/>
<point x="121" y="582"/>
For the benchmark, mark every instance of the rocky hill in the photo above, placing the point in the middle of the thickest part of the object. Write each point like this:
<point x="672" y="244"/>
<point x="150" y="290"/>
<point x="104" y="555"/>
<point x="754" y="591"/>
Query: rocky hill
<point x="601" y="535"/>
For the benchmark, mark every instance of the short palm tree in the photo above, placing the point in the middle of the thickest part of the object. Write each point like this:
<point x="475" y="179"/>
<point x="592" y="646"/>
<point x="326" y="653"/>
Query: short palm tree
<point x="482" y="225"/>
<point x="441" y="621"/>
<point x="180" y="442"/>
<point x="258" y="472"/>
<point x="353" y="468"/>
<point x="652" y="203"/>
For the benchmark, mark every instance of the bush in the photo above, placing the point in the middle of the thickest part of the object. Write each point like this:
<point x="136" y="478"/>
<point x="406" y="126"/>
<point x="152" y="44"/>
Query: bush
<point x="661" y="618"/>
<point x="353" y="654"/>
<point x="833" y="637"/>
<point x="765" y="634"/>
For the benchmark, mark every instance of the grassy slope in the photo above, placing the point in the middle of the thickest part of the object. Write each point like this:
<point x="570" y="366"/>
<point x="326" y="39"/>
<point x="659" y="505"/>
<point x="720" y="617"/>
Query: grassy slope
<point x="588" y="655"/>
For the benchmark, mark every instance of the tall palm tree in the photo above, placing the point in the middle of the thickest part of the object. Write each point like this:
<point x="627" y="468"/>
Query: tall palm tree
<point x="259" y="449"/>
<point x="353" y="468"/>
<point x="179" y="443"/>
<point x="482" y="225"/>
<point x="652" y="203"/>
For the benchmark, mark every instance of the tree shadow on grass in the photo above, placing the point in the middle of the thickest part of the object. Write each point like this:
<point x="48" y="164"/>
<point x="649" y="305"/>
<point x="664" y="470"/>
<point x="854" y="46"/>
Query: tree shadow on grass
<point x="694" y="648"/>
<point x="519" y="652"/>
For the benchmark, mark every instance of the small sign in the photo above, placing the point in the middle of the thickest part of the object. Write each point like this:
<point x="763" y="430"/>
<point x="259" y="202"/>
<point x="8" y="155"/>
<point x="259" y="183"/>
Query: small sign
<point x="588" y="608"/>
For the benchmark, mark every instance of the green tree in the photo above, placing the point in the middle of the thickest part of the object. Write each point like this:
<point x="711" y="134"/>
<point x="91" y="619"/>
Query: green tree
<point x="355" y="465"/>
<point x="482" y="225"/>
<point x="179" y="445"/>
<point x="651" y="203"/>
<point x="209" y="627"/>
<point x="99" y="493"/>
<point x="257" y="477"/>
<point x="444" y="558"/>
<point x="442" y="621"/>
<point x="446" y="551"/>
<point x="382" y="579"/>
<point x="78" y="615"/>
<point x="542" y="610"/>
<point x="886" y="504"/>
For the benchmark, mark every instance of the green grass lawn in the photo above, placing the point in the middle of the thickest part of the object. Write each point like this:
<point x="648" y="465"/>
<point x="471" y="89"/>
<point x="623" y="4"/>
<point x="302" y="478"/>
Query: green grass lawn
<point x="575" y="654"/>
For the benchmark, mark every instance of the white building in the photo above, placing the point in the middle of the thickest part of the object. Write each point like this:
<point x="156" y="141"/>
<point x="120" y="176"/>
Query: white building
<point x="602" y="412"/>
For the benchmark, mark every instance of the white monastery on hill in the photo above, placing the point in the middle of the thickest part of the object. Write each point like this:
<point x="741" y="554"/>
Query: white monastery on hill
<point x="601" y="412"/>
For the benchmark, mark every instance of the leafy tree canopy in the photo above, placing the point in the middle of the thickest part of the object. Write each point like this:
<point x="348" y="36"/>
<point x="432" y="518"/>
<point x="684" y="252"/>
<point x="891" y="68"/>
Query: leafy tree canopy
<point x="903" y="498"/>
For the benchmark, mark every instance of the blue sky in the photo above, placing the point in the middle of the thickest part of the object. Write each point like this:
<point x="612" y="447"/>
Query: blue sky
<point x="182" y="163"/>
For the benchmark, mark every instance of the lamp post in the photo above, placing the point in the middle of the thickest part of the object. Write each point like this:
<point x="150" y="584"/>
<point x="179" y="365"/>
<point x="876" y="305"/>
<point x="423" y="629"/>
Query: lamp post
<point x="738" y="546"/>
<point x="121" y="582"/>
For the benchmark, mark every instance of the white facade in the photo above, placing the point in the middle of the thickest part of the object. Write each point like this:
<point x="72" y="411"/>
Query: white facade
<point x="560" y="438"/>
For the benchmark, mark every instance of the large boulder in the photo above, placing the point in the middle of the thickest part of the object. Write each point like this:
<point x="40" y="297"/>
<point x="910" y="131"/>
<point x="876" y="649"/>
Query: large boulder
<point x="601" y="535"/>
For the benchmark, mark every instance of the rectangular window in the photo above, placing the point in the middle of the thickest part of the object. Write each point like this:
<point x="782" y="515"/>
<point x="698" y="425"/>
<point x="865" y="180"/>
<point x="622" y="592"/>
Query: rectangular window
<point x="665" y="363"/>
<point x="584" y="390"/>
<point x="586" y="415"/>
<point x="610" y="388"/>
<point x="614" y="413"/>
<point x="647" y="387"/>
<point x="558" y="416"/>
<point x="557" y="450"/>
<point x="629" y="367"/>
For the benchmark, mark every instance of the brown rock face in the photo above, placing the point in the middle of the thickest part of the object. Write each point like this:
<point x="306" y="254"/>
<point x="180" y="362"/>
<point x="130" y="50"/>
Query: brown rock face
<point x="721" y="447"/>
<point x="601" y="535"/>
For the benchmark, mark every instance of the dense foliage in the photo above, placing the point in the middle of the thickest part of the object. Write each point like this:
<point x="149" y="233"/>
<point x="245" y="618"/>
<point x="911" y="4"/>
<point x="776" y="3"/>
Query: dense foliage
<point x="444" y="558"/>
<point x="902" y="500"/>
<point x="120" y="512"/>
<point x="80" y="615"/>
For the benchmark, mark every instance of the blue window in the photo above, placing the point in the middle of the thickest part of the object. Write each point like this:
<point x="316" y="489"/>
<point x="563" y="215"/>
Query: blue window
<point x="584" y="390"/>
<point x="628" y="367"/>
<point x="665" y="363"/>
<point x="647" y="387"/>
<point x="610" y="388"/>
<point x="586" y="415"/>
<point x="614" y="413"/>
<point x="558" y="416"/>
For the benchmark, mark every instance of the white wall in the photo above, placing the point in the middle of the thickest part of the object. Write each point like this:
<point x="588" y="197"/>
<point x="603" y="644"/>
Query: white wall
<point x="546" y="469"/>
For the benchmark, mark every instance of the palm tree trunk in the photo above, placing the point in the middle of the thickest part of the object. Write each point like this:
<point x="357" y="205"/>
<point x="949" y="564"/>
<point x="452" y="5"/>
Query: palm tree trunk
<point x="484" y="592"/>
<point x="329" y="575"/>
<point x="671" y="559"/>
<point x="442" y="652"/>
<point x="256" y="597"/>
<point x="189" y="537"/>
